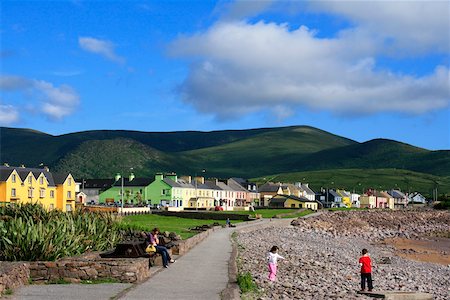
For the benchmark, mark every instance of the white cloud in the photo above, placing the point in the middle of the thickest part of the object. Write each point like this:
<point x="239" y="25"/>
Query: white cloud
<point x="400" y="27"/>
<point x="8" y="114"/>
<point x="55" y="102"/>
<point x="102" y="47"/>
<point x="239" y="68"/>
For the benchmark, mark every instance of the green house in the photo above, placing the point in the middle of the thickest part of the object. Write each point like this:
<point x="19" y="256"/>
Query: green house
<point x="135" y="191"/>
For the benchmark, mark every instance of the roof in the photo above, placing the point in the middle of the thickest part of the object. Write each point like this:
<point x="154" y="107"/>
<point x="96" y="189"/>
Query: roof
<point x="5" y="172"/>
<point x="236" y="186"/>
<point x="224" y="186"/>
<point x="184" y="184"/>
<point x="283" y="198"/>
<point x="307" y="189"/>
<point x="269" y="187"/>
<point x="343" y="193"/>
<point x="134" y="182"/>
<point x="97" y="183"/>
<point x="60" y="178"/>
<point x="396" y="194"/>
<point x="334" y="194"/>
<point x="212" y="185"/>
<point x="171" y="182"/>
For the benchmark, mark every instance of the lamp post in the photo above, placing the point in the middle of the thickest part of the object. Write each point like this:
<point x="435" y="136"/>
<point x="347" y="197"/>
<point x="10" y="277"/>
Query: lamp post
<point x="119" y="176"/>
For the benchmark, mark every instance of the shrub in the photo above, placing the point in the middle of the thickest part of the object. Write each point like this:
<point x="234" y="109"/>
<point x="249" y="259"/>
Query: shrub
<point x="442" y="205"/>
<point x="246" y="283"/>
<point x="29" y="232"/>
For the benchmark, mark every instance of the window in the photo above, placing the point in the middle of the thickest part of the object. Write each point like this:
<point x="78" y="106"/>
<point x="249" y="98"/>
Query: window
<point x="42" y="193"/>
<point x="69" y="195"/>
<point x="69" y="181"/>
<point x="13" y="192"/>
<point x="41" y="180"/>
<point x="68" y="207"/>
<point x="181" y="202"/>
<point x="30" y="193"/>
<point x="30" y="179"/>
<point x="52" y="194"/>
<point x="52" y="206"/>
<point x="13" y="178"/>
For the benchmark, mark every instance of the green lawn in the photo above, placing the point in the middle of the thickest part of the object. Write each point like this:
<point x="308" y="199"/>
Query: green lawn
<point x="179" y="225"/>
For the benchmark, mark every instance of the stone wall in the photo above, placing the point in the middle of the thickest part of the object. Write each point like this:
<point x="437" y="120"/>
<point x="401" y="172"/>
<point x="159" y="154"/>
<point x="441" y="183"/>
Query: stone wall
<point x="90" y="267"/>
<point x="13" y="275"/>
<point x="185" y="245"/>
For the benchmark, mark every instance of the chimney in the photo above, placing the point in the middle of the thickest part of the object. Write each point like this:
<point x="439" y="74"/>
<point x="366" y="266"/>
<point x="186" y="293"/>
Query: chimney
<point x="200" y="179"/>
<point x="22" y="166"/>
<point x="46" y="169"/>
<point x="6" y="164"/>
<point x="188" y="179"/>
<point x="159" y="176"/>
<point x="172" y="176"/>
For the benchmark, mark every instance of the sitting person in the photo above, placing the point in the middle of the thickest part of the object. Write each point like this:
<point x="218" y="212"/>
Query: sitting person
<point x="154" y="240"/>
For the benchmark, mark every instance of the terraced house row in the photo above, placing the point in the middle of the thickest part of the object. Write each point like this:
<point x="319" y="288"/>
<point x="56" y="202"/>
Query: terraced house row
<point x="19" y="185"/>
<point x="169" y="190"/>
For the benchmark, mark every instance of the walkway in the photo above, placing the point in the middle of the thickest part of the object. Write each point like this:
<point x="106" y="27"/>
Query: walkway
<point x="202" y="273"/>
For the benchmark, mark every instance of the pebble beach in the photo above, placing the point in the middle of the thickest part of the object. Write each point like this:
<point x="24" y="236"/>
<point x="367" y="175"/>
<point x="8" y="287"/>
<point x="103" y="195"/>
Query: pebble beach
<point x="322" y="254"/>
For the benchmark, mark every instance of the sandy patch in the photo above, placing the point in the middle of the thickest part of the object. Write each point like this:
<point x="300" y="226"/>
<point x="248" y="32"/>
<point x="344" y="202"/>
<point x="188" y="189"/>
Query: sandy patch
<point x="433" y="250"/>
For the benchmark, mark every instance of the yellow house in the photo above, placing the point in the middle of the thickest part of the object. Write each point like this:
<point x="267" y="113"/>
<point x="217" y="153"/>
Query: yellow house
<point x="290" y="201"/>
<point x="367" y="201"/>
<point x="346" y="197"/>
<point x="21" y="185"/>
<point x="205" y="203"/>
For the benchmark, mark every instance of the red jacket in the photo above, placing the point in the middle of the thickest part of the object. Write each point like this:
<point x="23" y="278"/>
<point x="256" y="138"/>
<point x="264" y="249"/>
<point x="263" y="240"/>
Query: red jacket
<point x="366" y="264"/>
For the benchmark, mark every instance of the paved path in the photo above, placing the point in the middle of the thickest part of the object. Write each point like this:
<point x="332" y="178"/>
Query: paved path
<point x="202" y="273"/>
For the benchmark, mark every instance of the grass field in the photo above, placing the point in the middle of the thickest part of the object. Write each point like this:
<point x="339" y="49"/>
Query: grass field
<point x="179" y="225"/>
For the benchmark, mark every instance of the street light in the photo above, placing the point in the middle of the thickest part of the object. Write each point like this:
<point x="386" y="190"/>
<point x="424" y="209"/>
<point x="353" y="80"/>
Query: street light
<point x="119" y="176"/>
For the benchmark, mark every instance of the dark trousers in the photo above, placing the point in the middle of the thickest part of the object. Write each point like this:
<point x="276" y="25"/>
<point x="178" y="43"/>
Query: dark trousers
<point x="164" y="254"/>
<point x="368" y="277"/>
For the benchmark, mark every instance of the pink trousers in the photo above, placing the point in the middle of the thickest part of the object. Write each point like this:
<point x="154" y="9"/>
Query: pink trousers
<point x="272" y="272"/>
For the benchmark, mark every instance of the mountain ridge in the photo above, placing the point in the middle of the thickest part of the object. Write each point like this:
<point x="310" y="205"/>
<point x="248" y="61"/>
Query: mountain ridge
<point x="247" y="153"/>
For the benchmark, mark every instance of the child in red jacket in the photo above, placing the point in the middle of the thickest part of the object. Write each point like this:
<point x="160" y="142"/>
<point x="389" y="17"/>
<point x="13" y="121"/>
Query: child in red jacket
<point x="366" y="270"/>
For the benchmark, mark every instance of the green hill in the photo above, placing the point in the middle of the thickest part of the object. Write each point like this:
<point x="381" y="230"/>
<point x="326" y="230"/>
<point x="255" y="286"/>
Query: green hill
<point x="245" y="153"/>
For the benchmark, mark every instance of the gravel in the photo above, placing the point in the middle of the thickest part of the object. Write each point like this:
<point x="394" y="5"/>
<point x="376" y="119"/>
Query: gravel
<point x="322" y="255"/>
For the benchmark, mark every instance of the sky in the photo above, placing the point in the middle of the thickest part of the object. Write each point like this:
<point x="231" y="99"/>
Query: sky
<point x="359" y="69"/>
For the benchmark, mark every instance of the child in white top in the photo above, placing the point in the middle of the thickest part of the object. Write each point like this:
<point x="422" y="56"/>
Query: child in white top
<point x="272" y="258"/>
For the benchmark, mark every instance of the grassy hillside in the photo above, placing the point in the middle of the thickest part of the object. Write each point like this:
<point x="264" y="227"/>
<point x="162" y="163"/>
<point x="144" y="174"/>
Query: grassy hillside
<point x="105" y="158"/>
<point x="245" y="153"/>
<point x="360" y="179"/>
<point x="264" y="153"/>
<point x="376" y="154"/>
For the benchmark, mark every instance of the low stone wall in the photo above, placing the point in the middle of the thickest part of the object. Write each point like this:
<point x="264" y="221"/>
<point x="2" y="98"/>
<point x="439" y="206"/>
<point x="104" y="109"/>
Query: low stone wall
<point x="13" y="275"/>
<point x="90" y="267"/>
<point x="185" y="245"/>
<point x="203" y="215"/>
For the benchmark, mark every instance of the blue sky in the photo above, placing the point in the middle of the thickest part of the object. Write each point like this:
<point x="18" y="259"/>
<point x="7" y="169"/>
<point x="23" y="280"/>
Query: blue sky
<point x="360" y="69"/>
